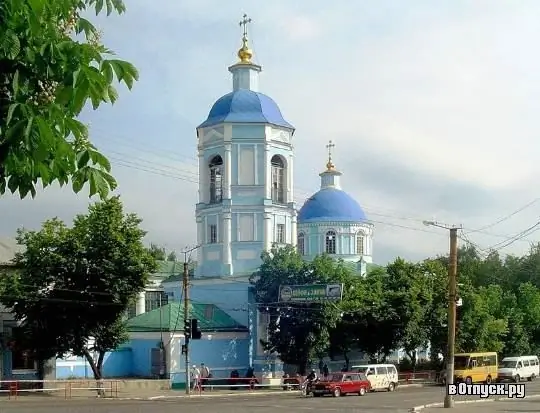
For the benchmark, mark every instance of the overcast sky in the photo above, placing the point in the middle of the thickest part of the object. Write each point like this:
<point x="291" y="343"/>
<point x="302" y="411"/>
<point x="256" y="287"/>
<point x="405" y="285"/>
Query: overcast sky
<point x="433" y="105"/>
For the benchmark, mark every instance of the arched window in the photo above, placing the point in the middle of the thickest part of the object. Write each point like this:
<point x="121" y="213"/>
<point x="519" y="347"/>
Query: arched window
<point x="330" y="242"/>
<point x="278" y="179"/>
<point x="301" y="246"/>
<point x="216" y="181"/>
<point x="360" y="243"/>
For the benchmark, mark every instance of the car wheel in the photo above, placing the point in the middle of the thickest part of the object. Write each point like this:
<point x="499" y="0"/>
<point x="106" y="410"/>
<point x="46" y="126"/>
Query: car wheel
<point x="391" y="387"/>
<point x="517" y="379"/>
<point x="362" y="391"/>
<point x="337" y="392"/>
<point x="488" y="380"/>
<point x="468" y="380"/>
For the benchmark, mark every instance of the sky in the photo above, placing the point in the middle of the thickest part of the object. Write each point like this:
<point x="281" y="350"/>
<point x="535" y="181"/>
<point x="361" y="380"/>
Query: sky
<point x="433" y="107"/>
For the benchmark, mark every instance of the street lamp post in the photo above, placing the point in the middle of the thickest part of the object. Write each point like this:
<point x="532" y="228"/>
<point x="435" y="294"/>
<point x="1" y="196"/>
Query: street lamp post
<point x="452" y="302"/>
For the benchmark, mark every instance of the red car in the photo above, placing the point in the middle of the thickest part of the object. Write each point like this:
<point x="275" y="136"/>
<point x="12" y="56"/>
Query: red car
<point x="338" y="384"/>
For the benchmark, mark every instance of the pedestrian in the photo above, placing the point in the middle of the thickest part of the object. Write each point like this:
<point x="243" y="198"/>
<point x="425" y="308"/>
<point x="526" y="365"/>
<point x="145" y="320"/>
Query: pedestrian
<point x="326" y="372"/>
<point x="195" y="378"/>
<point x="205" y="375"/>
<point x="321" y="366"/>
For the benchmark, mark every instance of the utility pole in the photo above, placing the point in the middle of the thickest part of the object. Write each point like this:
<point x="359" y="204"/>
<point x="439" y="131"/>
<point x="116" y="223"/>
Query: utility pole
<point x="452" y="303"/>
<point x="187" y="320"/>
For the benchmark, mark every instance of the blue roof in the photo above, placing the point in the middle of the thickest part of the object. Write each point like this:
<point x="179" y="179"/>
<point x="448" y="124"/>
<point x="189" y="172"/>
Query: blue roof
<point x="245" y="106"/>
<point x="331" y="204"/>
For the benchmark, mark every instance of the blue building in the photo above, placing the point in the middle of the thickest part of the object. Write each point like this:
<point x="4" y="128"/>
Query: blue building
<point x="332" y="222"/>
<point x="245" y="205"/>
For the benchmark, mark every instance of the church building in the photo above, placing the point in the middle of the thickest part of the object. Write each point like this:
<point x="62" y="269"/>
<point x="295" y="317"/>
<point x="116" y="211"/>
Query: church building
<point x="246" y="205"/>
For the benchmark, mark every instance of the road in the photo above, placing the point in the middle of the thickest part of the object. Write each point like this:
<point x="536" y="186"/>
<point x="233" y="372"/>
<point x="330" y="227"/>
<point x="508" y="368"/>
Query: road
<point x="399" y="401"/>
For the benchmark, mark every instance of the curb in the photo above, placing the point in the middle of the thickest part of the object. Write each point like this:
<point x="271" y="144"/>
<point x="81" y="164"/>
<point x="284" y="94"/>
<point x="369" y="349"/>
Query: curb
<point x="506" y="399"/>
<point x="236" y="394"/>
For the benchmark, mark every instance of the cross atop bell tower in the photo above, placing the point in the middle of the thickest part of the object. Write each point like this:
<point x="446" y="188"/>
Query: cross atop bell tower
<point x="245" y="72"/>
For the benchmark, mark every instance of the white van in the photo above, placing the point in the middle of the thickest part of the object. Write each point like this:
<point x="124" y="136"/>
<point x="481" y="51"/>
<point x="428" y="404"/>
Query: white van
<point x="517" y="368"/>
<point x="380" y="376"/>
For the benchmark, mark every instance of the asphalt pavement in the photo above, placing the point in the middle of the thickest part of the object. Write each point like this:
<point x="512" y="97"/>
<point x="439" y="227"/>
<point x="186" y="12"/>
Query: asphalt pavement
<point x="399" y="401"/>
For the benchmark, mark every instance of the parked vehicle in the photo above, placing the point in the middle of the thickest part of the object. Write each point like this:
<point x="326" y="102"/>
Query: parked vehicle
<point x="340" y="384"/>
<point x="475" y="367"/>
<point x="381" y="376"/>
<point x="517" y="368"/>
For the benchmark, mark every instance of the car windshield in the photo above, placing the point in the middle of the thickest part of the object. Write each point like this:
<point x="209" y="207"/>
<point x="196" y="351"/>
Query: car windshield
<point x="361" y="369"/>
<point x="508" y="364"/>
<point x="334" y="377"/>
<point x="461" y="362"/>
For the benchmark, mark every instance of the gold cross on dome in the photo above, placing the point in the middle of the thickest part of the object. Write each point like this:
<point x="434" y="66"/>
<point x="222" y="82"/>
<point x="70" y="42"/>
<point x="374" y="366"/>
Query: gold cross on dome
<point x="330" y="146"/>
<point x="243" y="23"/>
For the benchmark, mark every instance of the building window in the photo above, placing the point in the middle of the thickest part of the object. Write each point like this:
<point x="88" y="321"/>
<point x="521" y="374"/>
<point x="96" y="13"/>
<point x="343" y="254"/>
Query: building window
<point x="301" y="247"/>
<point x="280" y="233"/>
<point x="330" y="242"/>
<point x="212" y="234"/>
<point x="22" y="360"/>
<point x="155" y="299"/>
<point x="360" y="244"/>
<point x="278" y="179"/>
<point x="216" y="179"/>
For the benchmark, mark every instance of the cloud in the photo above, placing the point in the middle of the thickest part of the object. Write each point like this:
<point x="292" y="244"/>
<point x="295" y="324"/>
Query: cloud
<point x="433" y="107"/>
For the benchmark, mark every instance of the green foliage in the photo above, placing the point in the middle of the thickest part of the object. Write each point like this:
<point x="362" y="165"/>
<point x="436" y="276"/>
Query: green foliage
<point x="74" y="283"/>
<point x="404" y="305"/>
<point x="299" y="333"/>
<point x="51" y="64"/>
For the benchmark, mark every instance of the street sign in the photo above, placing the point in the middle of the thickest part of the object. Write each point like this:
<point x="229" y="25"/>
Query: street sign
<point x="310" y="293"/>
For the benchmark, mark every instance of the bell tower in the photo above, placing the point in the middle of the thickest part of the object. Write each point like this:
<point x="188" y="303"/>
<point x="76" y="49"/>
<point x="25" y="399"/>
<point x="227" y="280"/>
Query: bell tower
<point x="245" y="175"/>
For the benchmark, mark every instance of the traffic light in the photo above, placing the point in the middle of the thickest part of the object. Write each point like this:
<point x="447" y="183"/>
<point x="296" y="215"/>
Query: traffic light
<point x="195" y="332"/>
<point x="187" y="329"/>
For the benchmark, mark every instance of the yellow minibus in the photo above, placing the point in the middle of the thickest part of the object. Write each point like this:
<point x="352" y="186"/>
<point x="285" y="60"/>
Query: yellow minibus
<point x="475" y="367"/>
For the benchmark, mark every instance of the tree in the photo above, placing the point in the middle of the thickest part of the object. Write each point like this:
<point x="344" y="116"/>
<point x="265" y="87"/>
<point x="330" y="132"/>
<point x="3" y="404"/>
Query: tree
<point x="374" y="319"/>
<point x="437" y="312"/>
<point x="74" y="284"/>
<point x="409" y="291"/>
<point x="297" y="332"/>
<point x="159" y="253"/>
<point x="47" y="75"/>
<point x="481" y="325"/>
<point x="171" y="256"/>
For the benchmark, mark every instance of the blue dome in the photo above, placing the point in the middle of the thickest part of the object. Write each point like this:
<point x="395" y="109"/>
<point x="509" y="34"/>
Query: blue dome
<point x="245" y="106"/>
<point x="330" y="204"/>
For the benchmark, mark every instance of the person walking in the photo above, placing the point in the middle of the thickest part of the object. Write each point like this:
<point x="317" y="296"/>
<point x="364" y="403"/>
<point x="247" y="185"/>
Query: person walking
<point x="195" y="378"/>
<point x="205" y="375"/>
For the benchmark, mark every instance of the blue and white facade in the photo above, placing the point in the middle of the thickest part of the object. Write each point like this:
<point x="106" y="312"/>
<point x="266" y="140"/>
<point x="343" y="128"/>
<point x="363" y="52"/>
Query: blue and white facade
<point x="332" y="222"/>
<point x="245" y="179"/>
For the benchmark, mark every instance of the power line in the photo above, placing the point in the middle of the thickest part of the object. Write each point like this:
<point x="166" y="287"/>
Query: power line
<point x="507" y="217"/>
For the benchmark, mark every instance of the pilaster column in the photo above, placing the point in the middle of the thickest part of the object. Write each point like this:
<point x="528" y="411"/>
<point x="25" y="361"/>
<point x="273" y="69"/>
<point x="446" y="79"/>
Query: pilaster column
<point x="140" y="305"/>
<point x="200" y="238"/>
<point x="290" y="182"/>
<point x="267" y="173"/>
<point x="294" y="230"/>
<point x="268" y="231"/>
<point x="228" y="172"/>
<point x="227" y="231"/>
<point x="203" y="179"/>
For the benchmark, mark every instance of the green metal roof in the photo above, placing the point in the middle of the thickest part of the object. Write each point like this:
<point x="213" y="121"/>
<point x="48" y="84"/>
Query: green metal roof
<point x="170" y="318"/>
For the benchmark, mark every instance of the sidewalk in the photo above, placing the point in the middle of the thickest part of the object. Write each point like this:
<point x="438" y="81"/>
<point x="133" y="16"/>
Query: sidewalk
<point x="507" y="406"/>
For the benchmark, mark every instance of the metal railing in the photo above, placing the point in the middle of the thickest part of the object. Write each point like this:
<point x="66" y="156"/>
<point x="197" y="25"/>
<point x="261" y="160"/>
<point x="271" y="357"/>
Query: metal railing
<point x="66" y="388"/>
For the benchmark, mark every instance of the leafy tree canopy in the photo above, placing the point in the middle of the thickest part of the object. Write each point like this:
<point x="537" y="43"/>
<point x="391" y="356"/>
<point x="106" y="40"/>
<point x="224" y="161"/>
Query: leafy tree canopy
<point x="299" y="333"/>
<point x="52" y="63"/>
<point x="73" y="284"/>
